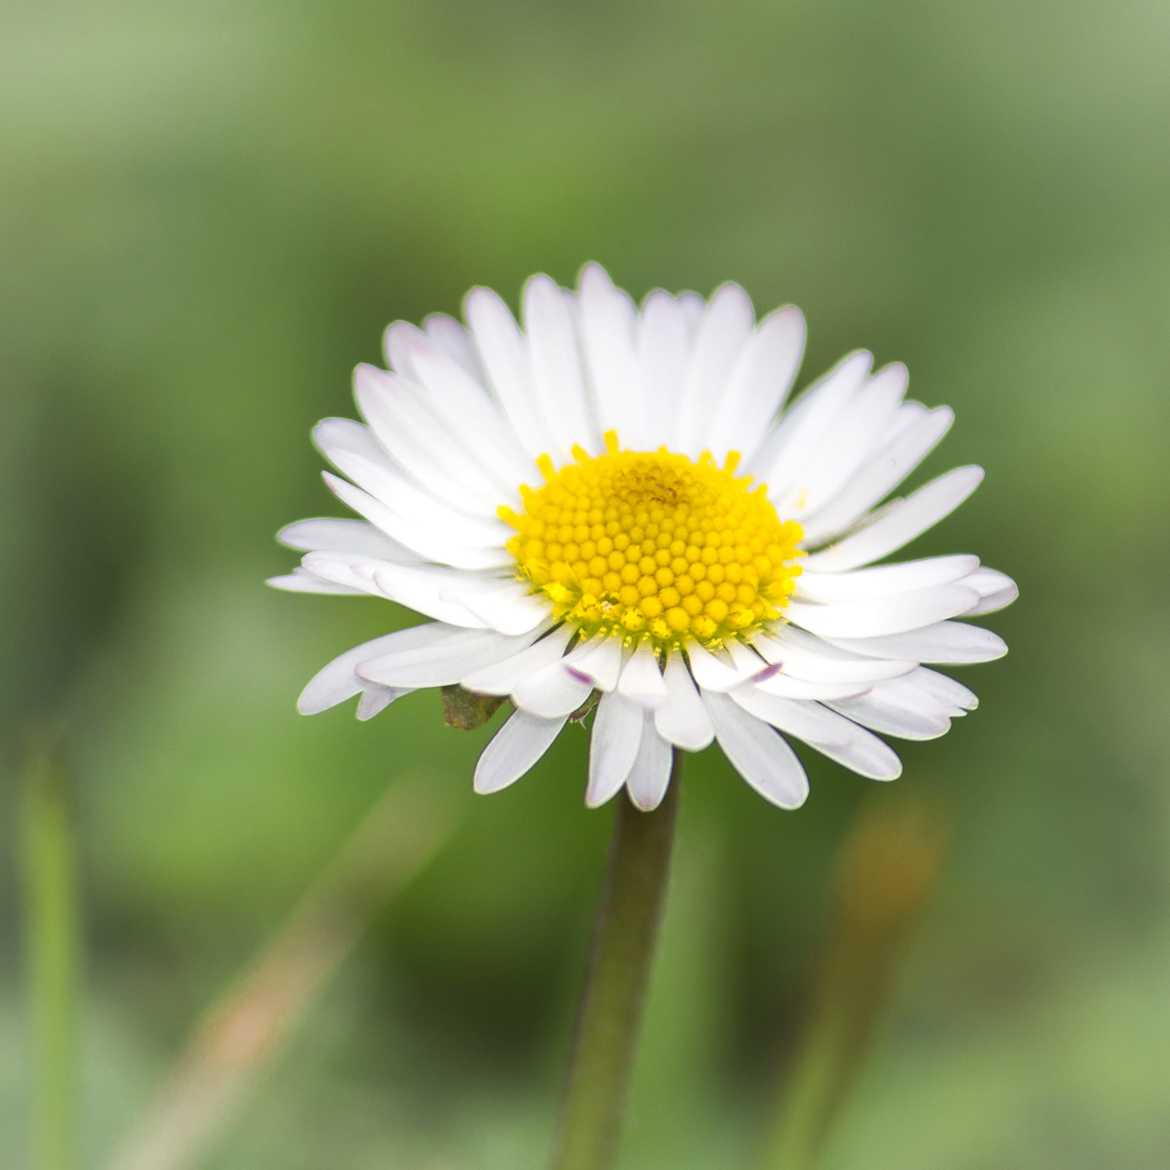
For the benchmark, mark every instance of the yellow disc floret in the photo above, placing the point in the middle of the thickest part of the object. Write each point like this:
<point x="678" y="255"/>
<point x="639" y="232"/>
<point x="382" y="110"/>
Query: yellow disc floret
<point x="651" y="545"/>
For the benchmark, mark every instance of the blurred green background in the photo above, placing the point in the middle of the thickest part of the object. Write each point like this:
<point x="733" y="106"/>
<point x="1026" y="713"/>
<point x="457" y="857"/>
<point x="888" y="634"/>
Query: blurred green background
<point x="209" y="212"/>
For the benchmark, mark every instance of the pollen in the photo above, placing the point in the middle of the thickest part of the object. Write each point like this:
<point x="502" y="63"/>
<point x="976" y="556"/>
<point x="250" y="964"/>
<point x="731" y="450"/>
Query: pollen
<point x="655" y="546"/>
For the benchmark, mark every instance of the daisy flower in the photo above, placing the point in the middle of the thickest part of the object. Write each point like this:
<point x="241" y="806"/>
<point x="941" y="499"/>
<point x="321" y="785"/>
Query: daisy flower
<point x="611" y="508"/>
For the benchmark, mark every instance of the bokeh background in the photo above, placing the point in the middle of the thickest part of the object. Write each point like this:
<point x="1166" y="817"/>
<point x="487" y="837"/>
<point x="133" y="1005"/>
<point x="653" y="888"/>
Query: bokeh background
<point x="210" y="211"/>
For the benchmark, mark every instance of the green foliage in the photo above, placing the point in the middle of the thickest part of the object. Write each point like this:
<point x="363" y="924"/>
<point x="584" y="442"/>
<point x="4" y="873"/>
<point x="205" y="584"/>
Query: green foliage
<point x="210" y="214"/>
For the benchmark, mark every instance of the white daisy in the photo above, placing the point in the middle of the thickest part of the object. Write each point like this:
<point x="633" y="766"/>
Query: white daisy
<point x="613" y="500"/>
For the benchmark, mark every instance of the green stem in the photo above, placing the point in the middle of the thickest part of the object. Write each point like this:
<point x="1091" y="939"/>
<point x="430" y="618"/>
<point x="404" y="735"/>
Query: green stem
<point x="51" y="926"/>
<point x="611" y="1008"/>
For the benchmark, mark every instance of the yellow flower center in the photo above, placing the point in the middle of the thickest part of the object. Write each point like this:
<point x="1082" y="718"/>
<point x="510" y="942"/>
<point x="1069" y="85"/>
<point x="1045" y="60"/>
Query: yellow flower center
<point x="651" y="545"/>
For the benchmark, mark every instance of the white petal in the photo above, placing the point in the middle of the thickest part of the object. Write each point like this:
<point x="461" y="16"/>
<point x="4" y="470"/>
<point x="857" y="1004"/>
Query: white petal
<point x="435" y="544"/>
<point x="996" y="591"/>
<point x="501" y="678"/>
<point x="804" y="655"/>
<point x="641" y="679"/>
<point x="716" y="672"/>
<point x="613" y="747"/>
<point x="746" y="661"/>
<point x="882" y="615"/>
<point x="443" y="332"/>
<point x="354" y="573"/>
<point x="504" y="355"/>
<point x="664" y="347"/>
<point x="829" y="733"/>
<point x="757" y="753"/>
<point x="333" y="435"/>
<point x="449" y="335"/>
<point x="468" y="409"/>
<point x="947" y="642"/>
<point x="447" y="656"/>
<point x="682" y="719"/>
<point x="907" y="415"/>
<point x="397" y="342"/>
<point x="898" y="523"/>
<point x="722" y="334"/>
<point x="556" y="367"/>
<point x="375" y="699"/>
<point x="878" y="477"/>
<point x="951" y="693"/>
<point x="516" y="747"/>
<point x="793" y="447"/>
<point x="421" y="588"/>
<point x="424" y="446"/>
<point x="797" y="688"/>
<point x="759" y="384"/>
<point x="607" y="330"/>
<point x="504" y="603"/>
<point x="856" y="434"/>
<point x="394" y="490"/>
<point x="415" y="586"/>
<point x="598" y="662"/>
<point x="865" y="754"/>
<point x="885" y="580"/>
<point x="300" y="580"/>
<point x="895" y="712"/>
<point x="805" y="720"/>
<point x="326" y="534"/>
<point x="551" y="692"/>
<point x="650" y="776"/>
<point x="693" y="306"/>
<point x="338" y="681"/>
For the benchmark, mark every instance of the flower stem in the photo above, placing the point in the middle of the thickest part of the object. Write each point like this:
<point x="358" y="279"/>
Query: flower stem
<point x="623" y="946"/>
<point x="51" y="930"/>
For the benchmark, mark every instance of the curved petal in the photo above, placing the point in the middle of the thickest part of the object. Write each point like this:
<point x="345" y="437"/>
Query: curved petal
<point x="885" y="580"/>
<point x="556" y="367"/>
<point x="794" y="445"/>
<point x="722" y="333"/>
<point x="898" y="523"/>
<point x="449" y="335"/>
<point x="883" y="615"/>
<point x="682" y="719"/>
<point x="338" y="680"/>
<point x="502" y="351"/>
<point x="439" y="546"/>
<point x="300" y="580"/>
<point x="598" y="662"/>
<point x="759" y="384"/>
<point x="326" y="534"/>
<point x="847" y="445"/>
<point x="444" y="657"/>
<point x="805" y="656"/>
<point x="650" y="775"/>
<point x="996" y="591"/>
<point x="946" y="642"/>
<point x="501" y="678"/>
<point x="757" y="753"/>
<point x="664" y="349"/>
<point x="551" y="692"/>
<point x="878" y="477"/>
<point x="613" y="747"/>
<point x="607" y="329"/>
<point x="826" y="731"/>
<point x="516" y="747"/>
<point x="641" y="680"/>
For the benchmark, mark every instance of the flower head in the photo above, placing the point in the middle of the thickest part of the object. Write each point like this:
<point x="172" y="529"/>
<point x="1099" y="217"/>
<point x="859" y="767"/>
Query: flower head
<point x="613" y="500"/>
